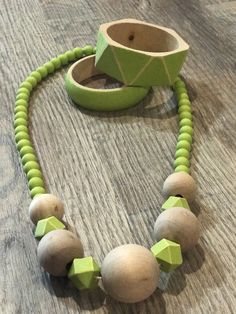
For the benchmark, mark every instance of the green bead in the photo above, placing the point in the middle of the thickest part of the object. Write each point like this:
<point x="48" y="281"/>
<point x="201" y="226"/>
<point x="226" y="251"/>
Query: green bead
<point x="23" y="90"/>
<point x="20" y="121"/>
<point x="94" y="50"/>
<point x="43" y="71"/>
<point x="64" y="59"/>
<point x="84" y="272"/>
<point x="46" y="225"/>
<point x="182" y="168"/>
<point x="168" y="254"/>
<point x="26" y="150"/>
<point x="186" y="137"/>
<point x="34" y="173"/>
<point x="23" y="143"/>
<point x="182" y="96"/>
<point x="56" y="62"/>
<point x="21" y="128"/>
<point x="183" y="144"/>
<point x="184" y="102"/>
<point x="186" y="129"/>
<point x="185" y="115"/>
<point x="28" y="157"/>
<point x="22" y="96"/>
<point x="20" y="108"/>
<point x="78" y="52"/>
<point x="21" y="114"/>
<point x="31" y="165"/>
<point x="36" y="75"/>
<point x="70" y="55"/>
<point x="185" y="121"/>
<point x="37" y="191"/>
<point x="87" y="50"/>
<point x="181" y="161"/>
<point x="21" y="102"/>
<point x="49" y="66"/>
<point x="31" y="80"/>
<point x="174" y="201"/>
<point x="180" y="90"/>
<point x="182" y="152"/>
<point x="21" y="136"/>
<point x="179" y="84"/>
<point x="27" y="85"/>
<point x="184" y="109"/>
<point x="34" y="182"/>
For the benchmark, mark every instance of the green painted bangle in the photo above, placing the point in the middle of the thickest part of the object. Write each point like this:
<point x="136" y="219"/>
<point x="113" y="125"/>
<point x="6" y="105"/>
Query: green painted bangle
<point x="99" y="99"/>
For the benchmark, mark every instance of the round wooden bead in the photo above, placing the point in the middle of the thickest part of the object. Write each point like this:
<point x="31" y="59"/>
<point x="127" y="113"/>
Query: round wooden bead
<point x="57" y="249"/>
<point x="178" y="224"/>
<point x="44" y="206"/>
<point x="130" y="273"/>
<point x="180" y="183"/>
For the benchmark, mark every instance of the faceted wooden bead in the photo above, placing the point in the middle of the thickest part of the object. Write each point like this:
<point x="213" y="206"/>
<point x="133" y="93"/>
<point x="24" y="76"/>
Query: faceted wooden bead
<point x="57" y="249"/>
<point x="44" y="206"/>
<point x="130" y="273"/>
<point x="178" y="224"/>
<point x="180" y="183"/>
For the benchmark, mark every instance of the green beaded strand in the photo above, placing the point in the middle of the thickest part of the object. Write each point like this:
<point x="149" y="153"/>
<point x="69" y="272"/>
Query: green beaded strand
<point x="22" y="135"/>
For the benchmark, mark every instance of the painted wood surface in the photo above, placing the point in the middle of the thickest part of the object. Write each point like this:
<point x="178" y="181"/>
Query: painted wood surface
<point x="109" y="168"/>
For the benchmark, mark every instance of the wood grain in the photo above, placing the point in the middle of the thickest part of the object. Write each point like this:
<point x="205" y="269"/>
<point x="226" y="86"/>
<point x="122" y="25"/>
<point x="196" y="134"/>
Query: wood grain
<point x="109" y="168"/>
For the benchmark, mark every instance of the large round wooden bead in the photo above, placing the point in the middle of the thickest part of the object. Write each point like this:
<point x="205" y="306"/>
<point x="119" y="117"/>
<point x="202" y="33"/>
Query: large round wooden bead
<point x="57" y="249"/>
<point x="130" y="273"/>
<point x="180" y="183"/>
<point x="178" y="224"/>
<point x="44" y="206"/>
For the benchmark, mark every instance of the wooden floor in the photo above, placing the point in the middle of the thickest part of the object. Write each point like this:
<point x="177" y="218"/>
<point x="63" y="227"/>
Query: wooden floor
<point x="109" y="168"/>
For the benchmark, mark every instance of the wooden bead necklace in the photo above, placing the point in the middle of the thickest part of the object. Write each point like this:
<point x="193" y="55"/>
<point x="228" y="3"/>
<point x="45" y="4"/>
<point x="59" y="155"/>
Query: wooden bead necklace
<point x="129" y="273"/>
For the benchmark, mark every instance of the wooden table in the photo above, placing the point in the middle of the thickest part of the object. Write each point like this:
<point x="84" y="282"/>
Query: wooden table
<point x="109" y="168"/>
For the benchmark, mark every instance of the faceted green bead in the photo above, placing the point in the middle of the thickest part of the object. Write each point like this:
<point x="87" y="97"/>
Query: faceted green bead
<point x="87" y="50"/>
<point x="31" y="165"/>
<point x="46" y="225"/>
<point x="21" y="128"/>
<point x="21" y="115"/>
<point x="23" y="143"/>
<point x="43" y="71"/>
<point x="185" y="114"/>
<point x="186" y="129"/>
<point x="21" y="136"/>
<point x="183" y="144"/>
<point x="182" y="152"/>
<point x="34" y="182"/>
<point x="28" y="157"/>
<point x="185" y="137"/>
<point x="78" y="52"/>
<point x="84" y="272"/>
<point x="175" y="201"/>
<point x="168" y="254"/>
<point x="37" y="191"/>
<point x="26" y="149"/>
<point x="182" y="168"/>
<point x="34" y="173"/>
<point x="181" y="161"/>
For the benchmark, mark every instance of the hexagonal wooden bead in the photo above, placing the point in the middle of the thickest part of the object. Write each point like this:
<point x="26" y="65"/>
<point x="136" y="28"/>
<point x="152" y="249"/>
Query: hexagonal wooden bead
<point x="174" y="201"/>
<point x="168" y="254"/>
<point x="84" y="272"/>
<point x="46" y="225"/>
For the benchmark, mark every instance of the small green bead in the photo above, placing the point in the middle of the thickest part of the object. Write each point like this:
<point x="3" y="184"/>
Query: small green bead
<point x="183" y="144"/>
<point x="70" y="55"/>
<point x="179" y="84"/>
<point x="185" y="115"/>
<point x="34" y="182"/>
<point x="185" y="121"/>
<point x="21" y="114"/>
<point x="36" y="75"/>
<point x="21" y="128"/>
<point x="182" y="96"/>
<point x="182" y="168"/>
<point x="49" y="66"/>
<point x="23" y="90"/>
<point x="181" y="161"/>
<point x="186" y="129"/>
<point x="43" y="71"/>
<point x="31" y="165"/>
<point x="23" y="143"/>
<point x="78" y="52"/>
<point x="21" y="136"/>
<point x="182" y="152"/>
<point x="181" y="90"/>
<point x="94" y="50"/>
<point x="22" y="96"/>
<point x="27" y="85"/>
<point x="31" y="80"/>
<point x="28" y="157"/>
<point x="184" y="102"/>
<point x="34" y="173"/>
<point x="21" y="102"/>
<point x="36" y="191"/>
<point x="20" y="108"/>
<point x="184" y="109"/>
<point x="186" y="137"/>
<point x="20" y="121"/>
<point x="64" y="59"/>
<point x="26" y="150"/>
<point x="56" y="62"/>
<point x="87" y="50"/>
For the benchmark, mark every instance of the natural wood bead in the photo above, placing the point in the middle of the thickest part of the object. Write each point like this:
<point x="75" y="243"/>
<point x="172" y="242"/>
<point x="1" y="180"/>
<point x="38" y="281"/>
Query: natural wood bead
<point x="44" y="206"/>
<point x="57" y="249"/>
<point x="130" y="273"/>
<point x="180" y="183"/>
<point x="178" y="224"/>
